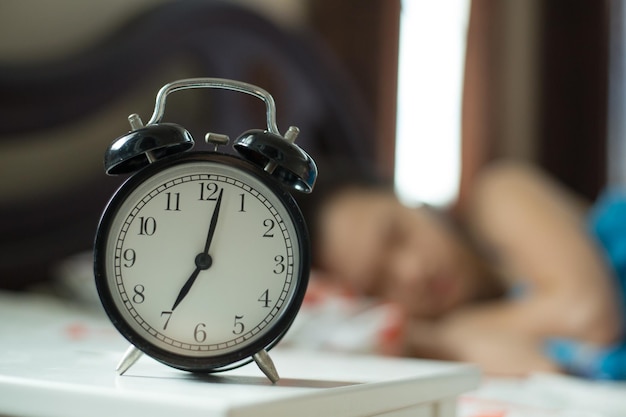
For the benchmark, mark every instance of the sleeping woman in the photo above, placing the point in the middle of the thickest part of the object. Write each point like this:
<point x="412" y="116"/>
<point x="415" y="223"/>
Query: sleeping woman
<point x="524" y="277"/>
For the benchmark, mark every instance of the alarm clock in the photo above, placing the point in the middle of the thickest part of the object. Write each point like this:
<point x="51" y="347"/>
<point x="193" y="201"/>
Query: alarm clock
<point x="202" y="258"/>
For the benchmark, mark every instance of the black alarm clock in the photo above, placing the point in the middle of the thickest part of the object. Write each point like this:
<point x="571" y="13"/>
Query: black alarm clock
<point x="202" y="259"/>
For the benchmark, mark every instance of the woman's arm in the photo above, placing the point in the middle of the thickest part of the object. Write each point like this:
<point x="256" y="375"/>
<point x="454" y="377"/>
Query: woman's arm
<point x="498" y="352"/>
<point x="538" y="230"/>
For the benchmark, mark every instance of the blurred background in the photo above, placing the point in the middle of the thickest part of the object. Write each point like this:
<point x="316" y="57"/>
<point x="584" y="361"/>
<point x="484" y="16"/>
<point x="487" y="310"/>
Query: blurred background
<point x="391" y="85"/>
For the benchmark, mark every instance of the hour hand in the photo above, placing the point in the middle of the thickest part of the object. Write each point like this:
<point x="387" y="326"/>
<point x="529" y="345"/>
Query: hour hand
<point x="183" y="291"/>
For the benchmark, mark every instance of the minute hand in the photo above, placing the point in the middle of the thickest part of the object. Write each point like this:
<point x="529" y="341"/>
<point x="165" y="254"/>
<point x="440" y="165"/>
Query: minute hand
<point x="213" y="224"/>
<point x="203" y="260"/>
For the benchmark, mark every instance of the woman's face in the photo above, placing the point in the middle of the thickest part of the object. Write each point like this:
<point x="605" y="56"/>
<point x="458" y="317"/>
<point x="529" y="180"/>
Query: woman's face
<point x="375" y="246"/>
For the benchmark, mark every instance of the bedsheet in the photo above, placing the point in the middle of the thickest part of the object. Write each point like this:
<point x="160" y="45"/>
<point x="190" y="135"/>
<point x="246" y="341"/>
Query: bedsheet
<point x="336" y="321"/>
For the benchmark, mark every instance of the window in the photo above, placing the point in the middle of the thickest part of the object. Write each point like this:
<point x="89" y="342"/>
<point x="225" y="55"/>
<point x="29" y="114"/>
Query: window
<point x="430" y="84"/>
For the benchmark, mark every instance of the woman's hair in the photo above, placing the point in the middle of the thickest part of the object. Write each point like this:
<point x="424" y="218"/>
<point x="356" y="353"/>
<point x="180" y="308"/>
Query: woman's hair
<point x="335" y="176"/>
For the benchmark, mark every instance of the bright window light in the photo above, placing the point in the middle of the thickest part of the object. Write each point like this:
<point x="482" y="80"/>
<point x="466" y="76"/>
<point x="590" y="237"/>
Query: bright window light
<point x="433" y="36"/>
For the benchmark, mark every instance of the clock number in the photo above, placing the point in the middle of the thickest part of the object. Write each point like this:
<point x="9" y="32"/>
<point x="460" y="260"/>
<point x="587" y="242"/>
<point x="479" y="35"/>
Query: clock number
<point x="167" y="320"/>
<point x="208" y="192"/>
<point x="239" y="327"/>
<point x="242" y="207"/>
<point x="265" y="298"/>
<point x="129" y="256"/>
<point x="139" y="297"/>
<point x="199" y="333"/>
<point x="147" y="226"/>
<point x="280" y="264"/>
<point x="173" y="202"/>
<point x="269" y="223"/>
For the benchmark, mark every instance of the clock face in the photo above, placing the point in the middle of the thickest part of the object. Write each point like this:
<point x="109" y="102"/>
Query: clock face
<point x="200" y="262"/>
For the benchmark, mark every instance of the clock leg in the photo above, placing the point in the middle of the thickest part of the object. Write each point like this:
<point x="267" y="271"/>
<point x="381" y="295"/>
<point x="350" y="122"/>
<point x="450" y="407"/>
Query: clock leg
<point x="266" y="365"/>
<point x="131" y="356"/>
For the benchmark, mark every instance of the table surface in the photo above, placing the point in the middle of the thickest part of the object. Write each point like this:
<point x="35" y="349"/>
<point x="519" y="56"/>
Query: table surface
<point x="58" y="359"/>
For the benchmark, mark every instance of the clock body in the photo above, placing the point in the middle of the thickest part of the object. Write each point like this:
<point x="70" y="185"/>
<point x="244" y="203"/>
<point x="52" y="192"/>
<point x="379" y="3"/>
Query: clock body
<point x="202" y="260"/>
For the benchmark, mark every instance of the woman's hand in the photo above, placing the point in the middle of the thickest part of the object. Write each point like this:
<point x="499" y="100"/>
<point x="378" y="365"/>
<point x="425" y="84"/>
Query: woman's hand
<point x="497" y="352"/>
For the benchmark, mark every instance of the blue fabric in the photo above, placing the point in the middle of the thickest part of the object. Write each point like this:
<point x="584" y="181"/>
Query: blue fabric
<point x="607" y="224"/>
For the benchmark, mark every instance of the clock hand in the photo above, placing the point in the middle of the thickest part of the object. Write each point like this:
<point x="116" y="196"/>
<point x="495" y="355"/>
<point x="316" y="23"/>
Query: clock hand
<point x="183" y="291"/>
<point x="216" y="212"/>
<point x="203" y="260"/>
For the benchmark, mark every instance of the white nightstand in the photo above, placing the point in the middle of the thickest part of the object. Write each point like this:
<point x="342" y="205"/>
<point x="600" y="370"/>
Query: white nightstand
<point x="59" y="360"/>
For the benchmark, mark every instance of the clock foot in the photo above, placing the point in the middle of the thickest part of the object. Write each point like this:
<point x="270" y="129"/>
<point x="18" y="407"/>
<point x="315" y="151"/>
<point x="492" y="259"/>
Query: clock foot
<point x="131" y="356"/>
<point x="266" y="365"/>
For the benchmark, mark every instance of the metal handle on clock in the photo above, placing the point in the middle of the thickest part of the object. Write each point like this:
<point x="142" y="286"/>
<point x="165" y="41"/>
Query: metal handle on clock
<point x="219" y="83"/>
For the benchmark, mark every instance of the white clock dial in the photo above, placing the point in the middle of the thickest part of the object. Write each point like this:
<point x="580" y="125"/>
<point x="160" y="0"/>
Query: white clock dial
<point x="202" y="259"/>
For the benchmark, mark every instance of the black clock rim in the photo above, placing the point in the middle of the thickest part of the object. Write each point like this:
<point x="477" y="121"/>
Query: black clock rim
<point x="201" y="363"/>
